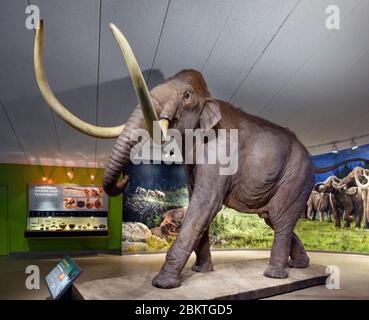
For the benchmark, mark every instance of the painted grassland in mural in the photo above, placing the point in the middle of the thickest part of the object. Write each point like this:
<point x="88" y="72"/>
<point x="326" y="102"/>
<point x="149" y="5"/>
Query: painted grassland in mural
<point x="155" y="204"/>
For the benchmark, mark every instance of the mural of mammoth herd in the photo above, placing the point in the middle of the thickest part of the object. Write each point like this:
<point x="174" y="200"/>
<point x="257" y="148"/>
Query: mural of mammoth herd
<point x="346" y="197"/>
<point x="156" y="194"/>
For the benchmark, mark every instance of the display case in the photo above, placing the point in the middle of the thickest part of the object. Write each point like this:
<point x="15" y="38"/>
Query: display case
<point x="66" y="210"/>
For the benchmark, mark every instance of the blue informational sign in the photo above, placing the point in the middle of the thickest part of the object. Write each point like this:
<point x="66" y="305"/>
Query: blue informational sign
<point x="61" y="277"/>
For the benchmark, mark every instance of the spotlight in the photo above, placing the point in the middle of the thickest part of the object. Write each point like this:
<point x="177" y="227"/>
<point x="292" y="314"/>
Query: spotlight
<point x="70" y="174"/>
<point x="354" y="145"/>
<point x="334" y="149"/>
<point x="44" y="179"/>
<point x="92" y="178"/>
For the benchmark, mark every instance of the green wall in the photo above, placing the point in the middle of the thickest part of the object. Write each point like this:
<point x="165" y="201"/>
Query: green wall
<point x="16" y="177"/>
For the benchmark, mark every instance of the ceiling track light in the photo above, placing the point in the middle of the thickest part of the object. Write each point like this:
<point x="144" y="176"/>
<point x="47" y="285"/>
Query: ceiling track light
<point x="334" y="149"/>
<point x="354" y="144"/>
<point x="70" y="174"/>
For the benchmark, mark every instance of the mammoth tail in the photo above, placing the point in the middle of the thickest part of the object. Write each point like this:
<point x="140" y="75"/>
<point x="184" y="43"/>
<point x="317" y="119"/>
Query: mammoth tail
<point x="332" y="167"/>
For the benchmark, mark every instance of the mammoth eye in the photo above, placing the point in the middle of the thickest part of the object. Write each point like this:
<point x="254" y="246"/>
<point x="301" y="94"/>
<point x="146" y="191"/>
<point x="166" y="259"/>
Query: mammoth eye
<point x="186" y="95"/>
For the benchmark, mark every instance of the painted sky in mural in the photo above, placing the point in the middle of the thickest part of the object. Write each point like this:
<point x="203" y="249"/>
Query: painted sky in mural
<point x="328" y="159"/>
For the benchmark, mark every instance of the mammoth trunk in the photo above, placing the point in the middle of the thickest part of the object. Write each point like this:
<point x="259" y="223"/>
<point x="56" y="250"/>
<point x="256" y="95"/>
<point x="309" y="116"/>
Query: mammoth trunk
<point x="120" y="157"/>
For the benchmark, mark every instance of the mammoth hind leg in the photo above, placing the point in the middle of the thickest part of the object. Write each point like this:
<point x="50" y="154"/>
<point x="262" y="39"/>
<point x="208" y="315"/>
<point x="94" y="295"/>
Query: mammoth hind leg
<point x="203" y="256"/>
<point x="299" y="258"/>
<point x="278" y="262"/>
<point x="298" y="255"/>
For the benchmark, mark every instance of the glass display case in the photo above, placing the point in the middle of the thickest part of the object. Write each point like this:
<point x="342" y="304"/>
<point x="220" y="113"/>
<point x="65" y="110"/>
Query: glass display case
<point x="66" y="210"/>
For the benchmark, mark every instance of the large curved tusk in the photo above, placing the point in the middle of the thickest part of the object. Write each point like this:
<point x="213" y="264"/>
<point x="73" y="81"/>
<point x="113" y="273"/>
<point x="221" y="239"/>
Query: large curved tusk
<point x="366" y="174"/>
<point x="351" y="191"/>
<point x="335" y="184"/>
<point x="137" y="78"/>
<point x="318" y="185"/>
<point x="53" y="102"/>
<point x="164" y="123"/>
<point x="358" y="183"/>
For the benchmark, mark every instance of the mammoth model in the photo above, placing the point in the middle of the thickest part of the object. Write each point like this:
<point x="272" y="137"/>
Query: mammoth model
<point x="359" y="178"/>
<point x="141" y="191"/>
<point x="172" y="221"/>
<point x="347" y="200"/>
<point x="151" y="193"/>
<point x="321" y="203"/>
<point x="159" y="195"/>
<point x="274" y="179"/>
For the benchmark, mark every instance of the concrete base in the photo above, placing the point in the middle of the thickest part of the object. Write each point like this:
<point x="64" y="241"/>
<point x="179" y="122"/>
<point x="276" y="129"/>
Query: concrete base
<point x="237" y="280"/>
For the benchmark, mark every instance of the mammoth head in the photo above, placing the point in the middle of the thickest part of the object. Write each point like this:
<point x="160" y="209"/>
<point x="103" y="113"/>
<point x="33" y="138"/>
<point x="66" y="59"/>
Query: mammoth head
<point x="328" y="185"/>
<point x="186" y="103"/>
<point x="351" y="191"/>
<point x="361" y="177"/>
<point x="182" y="102"/>
<point x="357" y="180"/>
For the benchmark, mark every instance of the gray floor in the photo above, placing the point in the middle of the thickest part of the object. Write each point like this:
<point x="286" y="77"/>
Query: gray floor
<point x="354" y="269"/>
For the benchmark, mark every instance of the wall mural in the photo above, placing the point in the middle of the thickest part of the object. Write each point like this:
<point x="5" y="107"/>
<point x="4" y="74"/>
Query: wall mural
<point x="154" y="204"/>
<point x="156" y="199"/>
<point x="327" y="159"/>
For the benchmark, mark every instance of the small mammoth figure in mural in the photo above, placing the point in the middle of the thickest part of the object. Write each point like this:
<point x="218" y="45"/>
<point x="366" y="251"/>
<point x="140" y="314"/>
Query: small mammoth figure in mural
<point x="159" y="195"/>
<point x="151" y="193"/>
<point x="172" y="221"/>
<point x="274" y="178"/>
<point x="141" y="191"/>
<point x="348" y="200"/>
<point x="359" y="177"/>
<point x="321" y="204"/>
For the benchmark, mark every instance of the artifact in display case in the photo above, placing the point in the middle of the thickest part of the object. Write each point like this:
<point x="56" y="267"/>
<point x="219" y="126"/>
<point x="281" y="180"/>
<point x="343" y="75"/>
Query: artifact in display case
<point x="65" y="210"/>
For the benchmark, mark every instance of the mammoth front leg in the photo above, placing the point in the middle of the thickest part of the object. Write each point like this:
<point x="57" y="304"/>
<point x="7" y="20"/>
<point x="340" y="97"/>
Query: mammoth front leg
<point x="205" y="203"/>
<point x="329" y="215"/>
<point x="358" y="218"/>
<point x="195" y="224"/>
<point x="309" y="213"/>
<point x="347" y="216"/>
<point x="336" y="217"/>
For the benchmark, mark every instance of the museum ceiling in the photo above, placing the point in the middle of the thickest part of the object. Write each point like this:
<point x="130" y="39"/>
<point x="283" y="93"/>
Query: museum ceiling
<point x="273" y="58"/>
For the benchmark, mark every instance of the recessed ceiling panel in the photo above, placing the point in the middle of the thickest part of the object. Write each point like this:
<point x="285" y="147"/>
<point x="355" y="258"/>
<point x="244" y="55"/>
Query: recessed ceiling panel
<point x="190" y="32"/>
<point x="246" y="34"/>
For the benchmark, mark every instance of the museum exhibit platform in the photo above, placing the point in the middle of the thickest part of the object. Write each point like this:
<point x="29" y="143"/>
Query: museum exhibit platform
<point x="230" y="280"/>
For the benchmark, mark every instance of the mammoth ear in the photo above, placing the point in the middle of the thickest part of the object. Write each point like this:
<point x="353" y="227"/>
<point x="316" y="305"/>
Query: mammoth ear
<point x="210" y="115"/>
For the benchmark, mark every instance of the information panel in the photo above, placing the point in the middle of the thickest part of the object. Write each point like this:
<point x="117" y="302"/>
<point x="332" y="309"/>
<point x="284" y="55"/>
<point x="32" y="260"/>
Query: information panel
<point x="67" y="208"/>
<point x="61" y="277"/>
<point x="66" y="197"/>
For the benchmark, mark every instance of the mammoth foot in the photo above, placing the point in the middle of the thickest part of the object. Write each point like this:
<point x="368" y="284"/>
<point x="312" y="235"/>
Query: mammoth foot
<point x="166" y="280"/>
<point x="299" y="262"/>
<point x="203" y="267"/>
<point x="275" y="272"/>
